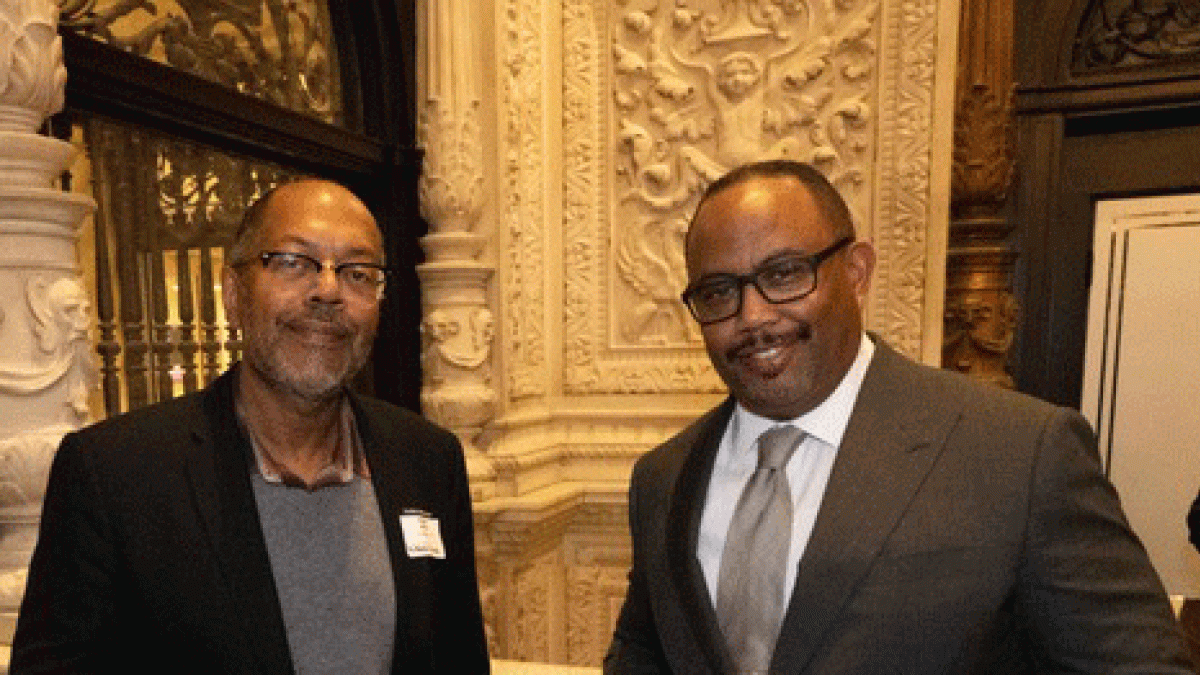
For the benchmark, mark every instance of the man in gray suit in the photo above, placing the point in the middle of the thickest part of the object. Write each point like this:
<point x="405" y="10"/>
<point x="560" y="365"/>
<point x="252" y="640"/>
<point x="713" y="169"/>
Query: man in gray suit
<point x="849" y="511"/>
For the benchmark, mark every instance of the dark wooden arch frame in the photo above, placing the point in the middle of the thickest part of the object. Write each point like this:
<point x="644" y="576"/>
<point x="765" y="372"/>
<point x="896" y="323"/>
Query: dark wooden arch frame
<point x="374" y="153"/>
<point x="1082" y="138"/>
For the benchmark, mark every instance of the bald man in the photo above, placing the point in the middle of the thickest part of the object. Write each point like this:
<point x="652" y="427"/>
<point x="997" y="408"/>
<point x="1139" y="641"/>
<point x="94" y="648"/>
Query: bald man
<point x="274" y="522"/>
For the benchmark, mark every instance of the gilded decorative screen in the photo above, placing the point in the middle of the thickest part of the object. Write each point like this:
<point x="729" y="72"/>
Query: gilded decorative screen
<point x="166" y="210"/>
<point x="278" y="50"/>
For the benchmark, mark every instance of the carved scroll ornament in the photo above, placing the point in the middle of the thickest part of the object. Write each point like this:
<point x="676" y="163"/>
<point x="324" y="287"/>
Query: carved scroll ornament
<point x="1131" y="33"/>
<point x="278" y="51"/>
<point x="705" y="87"/>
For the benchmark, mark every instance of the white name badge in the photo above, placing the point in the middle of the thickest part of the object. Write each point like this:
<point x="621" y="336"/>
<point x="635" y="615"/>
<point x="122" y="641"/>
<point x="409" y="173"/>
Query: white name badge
<point x="422" y="535"/>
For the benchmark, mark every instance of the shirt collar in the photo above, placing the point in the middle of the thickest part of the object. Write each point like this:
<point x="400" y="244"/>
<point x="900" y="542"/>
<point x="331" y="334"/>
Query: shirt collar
<point x="826" y="422"/>
<point x="348" y="461"/>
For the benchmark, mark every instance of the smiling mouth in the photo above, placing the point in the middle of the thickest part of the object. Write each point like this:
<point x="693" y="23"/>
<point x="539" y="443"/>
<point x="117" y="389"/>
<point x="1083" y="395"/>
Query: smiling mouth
<point x="768" y="354"/>
<point x="322" y="332"/>
<point x="766" y="360"/>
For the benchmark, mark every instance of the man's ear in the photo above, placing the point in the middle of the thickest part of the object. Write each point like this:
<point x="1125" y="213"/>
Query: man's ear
<point x="231" y="292"/>
<point x="860" y="266"/>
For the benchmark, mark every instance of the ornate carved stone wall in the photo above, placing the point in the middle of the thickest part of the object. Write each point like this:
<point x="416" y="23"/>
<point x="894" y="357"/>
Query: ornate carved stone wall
<point x="600" y="122"/>
<point x="47" y="365"/>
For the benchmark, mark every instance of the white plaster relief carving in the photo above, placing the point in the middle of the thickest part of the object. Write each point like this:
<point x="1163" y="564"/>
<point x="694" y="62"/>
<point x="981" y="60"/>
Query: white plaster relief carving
<point x="457" y="345"/>
<point x="32" y="76"/>
<point x="673" y="82"/>
<point x="451" y="189"/>
<point x="711" y="87"/>
<point x="25" y="467"/>
<point x="902" y="215"/>
<point x="457" y="328"/>
<point x="665" y="111"/>
<point x="592" y="594"/>
<point x="532" y="613"/>
<point x="61" y="327"/>
<point x="523" y="208"/>
<point x="48" y="366"/>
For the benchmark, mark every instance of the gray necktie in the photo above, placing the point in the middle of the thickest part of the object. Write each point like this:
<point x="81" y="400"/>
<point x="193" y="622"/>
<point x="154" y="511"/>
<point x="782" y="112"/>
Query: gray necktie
<point x="750" y="590"/>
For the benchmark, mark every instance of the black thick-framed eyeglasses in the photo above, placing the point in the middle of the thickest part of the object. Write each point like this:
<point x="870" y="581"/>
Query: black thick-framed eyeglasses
<point x="785" y="278"/>
<point x="365" y="279"/>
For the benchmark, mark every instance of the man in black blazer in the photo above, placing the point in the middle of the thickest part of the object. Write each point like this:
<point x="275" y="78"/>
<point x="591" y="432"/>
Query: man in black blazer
<point x="937" y="525"/>
<point x="274" y="522"/>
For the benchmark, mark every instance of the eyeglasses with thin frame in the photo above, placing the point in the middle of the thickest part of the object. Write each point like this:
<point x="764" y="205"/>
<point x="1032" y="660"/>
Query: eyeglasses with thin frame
<point x="786" y="278"/>
<point x="363" y="279"/>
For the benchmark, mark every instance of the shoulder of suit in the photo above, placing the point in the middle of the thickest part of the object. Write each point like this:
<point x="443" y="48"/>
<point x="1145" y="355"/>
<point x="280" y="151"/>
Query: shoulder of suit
<point x="924" y="383"/>
<point x="173" y="416"/>
<point x="147" y="437"/>
<point x="388" y="418"/>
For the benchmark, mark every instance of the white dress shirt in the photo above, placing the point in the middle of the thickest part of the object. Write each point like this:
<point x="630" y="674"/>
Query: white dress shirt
<point x="807" y="471"/>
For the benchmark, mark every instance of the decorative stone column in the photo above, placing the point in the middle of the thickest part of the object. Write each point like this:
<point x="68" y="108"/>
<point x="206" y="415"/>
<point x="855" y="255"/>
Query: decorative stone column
<point x="457" y="327"/>
<point x="981" y="311"/>
<point x="46" y="360"/>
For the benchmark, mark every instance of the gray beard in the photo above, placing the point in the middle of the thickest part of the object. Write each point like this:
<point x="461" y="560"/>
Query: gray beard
<point x="307" y="379"/>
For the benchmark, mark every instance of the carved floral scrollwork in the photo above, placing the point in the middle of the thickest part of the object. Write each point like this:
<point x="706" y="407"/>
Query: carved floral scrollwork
<point x="32" y="76"/>
<point x="452" y="176"/>
<point x="983" y="150"/>
<point x="1124" y="33"/>
<point x="522" y="216"/>
<point x="531" y="614"/>
<point x="699" y="90"/>
<point x="25" y="467"/>
<point x="278" y="51"/>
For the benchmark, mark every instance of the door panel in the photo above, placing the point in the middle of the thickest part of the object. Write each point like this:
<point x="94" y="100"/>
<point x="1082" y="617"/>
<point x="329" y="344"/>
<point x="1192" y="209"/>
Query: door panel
<point x="1141" y="373"/>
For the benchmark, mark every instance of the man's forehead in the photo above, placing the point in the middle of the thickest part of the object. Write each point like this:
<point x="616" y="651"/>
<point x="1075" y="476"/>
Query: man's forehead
<point x="320" y="219"/>
<point x="771" y="205"/>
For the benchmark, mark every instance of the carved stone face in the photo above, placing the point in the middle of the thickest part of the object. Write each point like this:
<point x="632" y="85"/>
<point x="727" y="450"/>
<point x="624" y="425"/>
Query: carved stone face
<point x="779" y="360"/>
<point x="439" y="327"/>
<point x="71" y="307"/>
<point x="739" y="75"/>
<point x="307" y="339"/>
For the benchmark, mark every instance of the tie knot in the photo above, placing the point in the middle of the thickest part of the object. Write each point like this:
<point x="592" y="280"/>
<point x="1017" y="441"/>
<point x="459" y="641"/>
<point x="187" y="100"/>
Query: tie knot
<point x="776" y="445"/>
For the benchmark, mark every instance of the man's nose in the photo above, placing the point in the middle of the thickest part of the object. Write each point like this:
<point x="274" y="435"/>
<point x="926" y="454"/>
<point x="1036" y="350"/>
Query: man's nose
<point x="756" y="310"/>
<point x="326" y="287"/>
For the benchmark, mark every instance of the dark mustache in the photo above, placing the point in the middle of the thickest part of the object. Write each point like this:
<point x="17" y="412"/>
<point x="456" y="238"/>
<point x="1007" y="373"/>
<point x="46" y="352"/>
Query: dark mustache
<point x="761" y="339"/>
<point x="321" y="317"/>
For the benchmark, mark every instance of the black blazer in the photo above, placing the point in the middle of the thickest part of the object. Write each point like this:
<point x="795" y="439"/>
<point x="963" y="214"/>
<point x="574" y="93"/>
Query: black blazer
<point x="151" y="554"/>
<point x="964" y="530"/>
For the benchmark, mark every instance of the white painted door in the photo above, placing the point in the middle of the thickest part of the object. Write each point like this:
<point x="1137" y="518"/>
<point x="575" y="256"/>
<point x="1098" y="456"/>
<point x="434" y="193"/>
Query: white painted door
<point x="1141" y="386"/>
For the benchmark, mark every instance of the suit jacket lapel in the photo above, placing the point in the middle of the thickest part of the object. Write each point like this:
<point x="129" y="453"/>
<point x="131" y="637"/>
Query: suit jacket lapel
<point x="683" y="533"/>
<point x="219" y="476"/>
<point x="393" y="487"/>
<point x="893" y="439"/>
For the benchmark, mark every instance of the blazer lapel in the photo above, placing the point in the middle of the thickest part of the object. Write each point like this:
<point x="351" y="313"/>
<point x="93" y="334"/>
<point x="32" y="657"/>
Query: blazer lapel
<point x="893" y="439"/>
<point x="412" y="586"/>
<point x="219" y="476"/>
<point x="683" y="533"/>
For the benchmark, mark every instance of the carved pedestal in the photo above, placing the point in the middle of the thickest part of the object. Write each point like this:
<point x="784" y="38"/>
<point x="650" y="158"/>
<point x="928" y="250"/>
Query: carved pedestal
<point x="553" y="573"/>
<point x="981" y="312"/>
<point x="46" y="362"/>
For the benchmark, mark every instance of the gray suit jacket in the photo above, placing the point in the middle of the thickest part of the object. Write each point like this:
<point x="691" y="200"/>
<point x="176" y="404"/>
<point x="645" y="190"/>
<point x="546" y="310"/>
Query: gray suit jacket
<point x="965" y="529"/>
